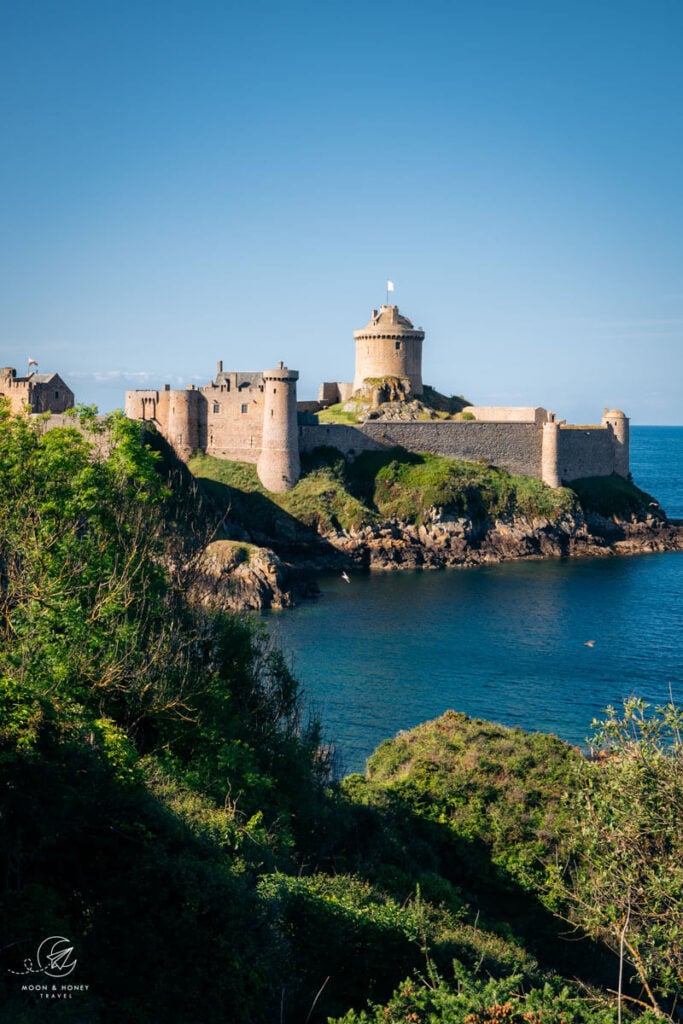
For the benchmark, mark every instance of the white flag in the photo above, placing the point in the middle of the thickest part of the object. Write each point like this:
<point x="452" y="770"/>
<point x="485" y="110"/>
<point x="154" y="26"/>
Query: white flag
<point x="32" y="362"/>
<point x="390" y="286"/>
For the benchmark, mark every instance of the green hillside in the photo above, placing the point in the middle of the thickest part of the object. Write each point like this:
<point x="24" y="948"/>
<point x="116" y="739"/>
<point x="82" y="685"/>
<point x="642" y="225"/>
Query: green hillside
<point x="168" y="807"/>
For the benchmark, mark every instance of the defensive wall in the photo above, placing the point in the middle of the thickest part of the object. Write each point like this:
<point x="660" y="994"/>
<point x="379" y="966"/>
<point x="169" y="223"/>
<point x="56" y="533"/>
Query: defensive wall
<point x="227" y="423"/>
<point x="551" y="451"/>
<point x="512" y="446"/>
<point x="243" y="417"/>
<point x="253" y="417"/>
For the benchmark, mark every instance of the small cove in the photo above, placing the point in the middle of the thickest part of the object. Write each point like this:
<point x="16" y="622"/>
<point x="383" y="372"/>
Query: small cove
<point x="505" y="642"/>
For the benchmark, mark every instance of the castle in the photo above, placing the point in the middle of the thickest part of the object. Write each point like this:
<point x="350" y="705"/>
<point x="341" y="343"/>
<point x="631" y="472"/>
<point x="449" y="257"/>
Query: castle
<point x="255" y="417"/>
<point x="37" y="392"/>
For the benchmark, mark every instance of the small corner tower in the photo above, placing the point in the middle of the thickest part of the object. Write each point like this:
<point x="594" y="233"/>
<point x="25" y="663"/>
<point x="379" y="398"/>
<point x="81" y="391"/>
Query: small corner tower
<point x="278" y="465"/>
<point x="389" y="346"/>
<point x="619" y="424"/>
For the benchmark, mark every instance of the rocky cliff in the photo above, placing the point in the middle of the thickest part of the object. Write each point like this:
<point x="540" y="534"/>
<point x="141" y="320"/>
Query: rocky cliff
<point x="406" y="510"/>
<point x="449" y="540"/>
<point x="235" y="576"/>
<point x="244" y="576"/>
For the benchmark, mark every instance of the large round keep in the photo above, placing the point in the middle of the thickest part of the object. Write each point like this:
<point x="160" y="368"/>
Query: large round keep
<point x="389" y="346"/>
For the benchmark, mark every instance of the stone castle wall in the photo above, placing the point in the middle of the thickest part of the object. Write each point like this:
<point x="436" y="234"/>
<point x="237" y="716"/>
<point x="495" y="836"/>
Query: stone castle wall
<point x="507" y="414"/>
<point x="228" y="422"/>
<point x="221" y="421"/>
<point x="585" y="451"/>
<point x="512" y="446"/>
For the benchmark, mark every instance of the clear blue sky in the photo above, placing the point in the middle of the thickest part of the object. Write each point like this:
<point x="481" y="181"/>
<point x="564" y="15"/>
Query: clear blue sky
<point x="187" y="181"/>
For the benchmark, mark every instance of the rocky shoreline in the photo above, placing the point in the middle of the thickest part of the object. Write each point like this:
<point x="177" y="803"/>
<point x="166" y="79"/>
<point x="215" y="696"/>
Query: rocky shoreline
<point x="253" y="575"/>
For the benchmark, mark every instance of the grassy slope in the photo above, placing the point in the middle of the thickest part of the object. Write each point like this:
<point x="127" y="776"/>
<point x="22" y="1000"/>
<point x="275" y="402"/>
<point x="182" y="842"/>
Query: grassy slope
<point x="335" y="494"/>
<point x="194" y="830"/>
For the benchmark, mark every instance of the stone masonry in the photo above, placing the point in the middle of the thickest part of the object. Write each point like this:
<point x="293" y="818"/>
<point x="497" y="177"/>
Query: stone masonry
<point x="36" y="392"/>
<point x="252" y="417"/>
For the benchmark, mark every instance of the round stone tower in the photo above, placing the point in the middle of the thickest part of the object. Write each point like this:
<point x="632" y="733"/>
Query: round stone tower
<point x="550" y="461"/>
<point x="619" y="423"/>
<point x="183" y="422"/>
<point x="278" y="464"/>
<point x="389" y="346"/>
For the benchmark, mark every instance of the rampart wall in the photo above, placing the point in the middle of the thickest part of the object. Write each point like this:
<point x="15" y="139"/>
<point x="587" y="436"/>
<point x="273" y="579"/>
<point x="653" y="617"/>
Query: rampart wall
<point x="585" y="451"/>
<point x="512" y="446"/>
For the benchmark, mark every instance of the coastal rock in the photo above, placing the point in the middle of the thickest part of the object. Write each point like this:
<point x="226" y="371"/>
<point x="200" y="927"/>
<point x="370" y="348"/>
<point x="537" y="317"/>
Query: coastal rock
<point x="458" y="541"/>
<point x="235" y="576"/>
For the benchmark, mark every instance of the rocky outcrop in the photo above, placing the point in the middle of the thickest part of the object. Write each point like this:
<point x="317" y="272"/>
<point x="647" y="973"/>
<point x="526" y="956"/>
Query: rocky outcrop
<point x="234" y="576"/>
<point x="448" y="540"/>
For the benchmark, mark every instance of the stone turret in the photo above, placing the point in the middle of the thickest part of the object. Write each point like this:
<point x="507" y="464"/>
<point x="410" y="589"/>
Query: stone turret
<point x="389" y="346"/>
<point x="619" y="423"/>
<point x="183" y="421"/>
<point x="550" y="460"/>
<point x="278" y="465"/>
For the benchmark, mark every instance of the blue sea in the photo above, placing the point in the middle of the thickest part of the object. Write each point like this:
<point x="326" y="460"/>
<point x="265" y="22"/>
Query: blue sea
<point x="504" y="642"/>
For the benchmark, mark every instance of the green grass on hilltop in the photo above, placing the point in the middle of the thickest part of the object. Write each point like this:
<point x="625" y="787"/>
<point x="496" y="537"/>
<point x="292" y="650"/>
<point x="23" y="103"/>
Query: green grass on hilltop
<point x="337" y="494"/>
<point x="338" y="414"/>
<point x="319" y="501"/>
<point x="408" y="484"/>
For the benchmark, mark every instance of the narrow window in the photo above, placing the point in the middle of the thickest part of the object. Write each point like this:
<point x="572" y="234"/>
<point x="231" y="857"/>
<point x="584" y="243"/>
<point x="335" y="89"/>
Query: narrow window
<point x="56" y="394"/>
<point x="216" y="407"/>
<point x="398" y="346"/>
<point x="245" y="408"/>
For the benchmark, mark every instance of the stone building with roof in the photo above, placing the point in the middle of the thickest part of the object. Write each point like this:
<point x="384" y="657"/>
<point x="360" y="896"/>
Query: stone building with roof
<point x="36" y="392"/>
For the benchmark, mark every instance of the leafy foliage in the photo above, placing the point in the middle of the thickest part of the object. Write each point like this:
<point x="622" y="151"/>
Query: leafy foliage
<point x="623" y="879"/>
<point x="151" y="756"/>
<point x="474" y="1000"/>
<point x="167" y="804"/>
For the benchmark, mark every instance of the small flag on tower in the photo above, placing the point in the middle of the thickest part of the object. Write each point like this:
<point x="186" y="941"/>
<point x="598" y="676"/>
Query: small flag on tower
<point x="33" y="362"/>
<point x="390" y="286"/>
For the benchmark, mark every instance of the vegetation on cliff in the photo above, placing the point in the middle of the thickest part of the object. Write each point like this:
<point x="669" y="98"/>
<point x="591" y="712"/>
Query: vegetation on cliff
<point x="167" y="806"/>
<point x="337" y="493"/>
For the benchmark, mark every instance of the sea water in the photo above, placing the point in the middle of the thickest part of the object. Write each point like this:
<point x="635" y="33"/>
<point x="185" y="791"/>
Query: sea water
<point x="505" y="642"/>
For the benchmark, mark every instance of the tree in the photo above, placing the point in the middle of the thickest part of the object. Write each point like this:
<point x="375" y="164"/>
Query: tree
<point x="623" y="875"/>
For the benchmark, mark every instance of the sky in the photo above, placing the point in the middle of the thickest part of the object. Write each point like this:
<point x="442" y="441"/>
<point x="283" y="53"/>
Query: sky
<point x="183" y="182"/>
